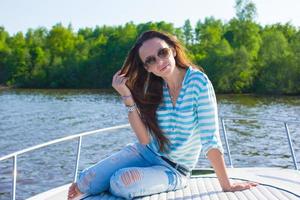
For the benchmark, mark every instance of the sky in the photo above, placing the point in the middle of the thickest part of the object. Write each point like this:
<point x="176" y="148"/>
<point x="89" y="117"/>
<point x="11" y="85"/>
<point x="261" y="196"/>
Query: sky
<point x="19" y="15"/>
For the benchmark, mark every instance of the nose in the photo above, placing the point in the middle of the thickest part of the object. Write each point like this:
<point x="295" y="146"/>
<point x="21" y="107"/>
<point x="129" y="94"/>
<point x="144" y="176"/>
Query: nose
<point x="160" y="61"/>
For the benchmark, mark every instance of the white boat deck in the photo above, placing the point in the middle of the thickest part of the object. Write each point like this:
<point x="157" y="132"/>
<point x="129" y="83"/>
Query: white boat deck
<point x="275" y="184"/>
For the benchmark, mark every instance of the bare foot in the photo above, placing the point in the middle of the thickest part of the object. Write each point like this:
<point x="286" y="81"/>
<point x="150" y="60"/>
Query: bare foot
<point x="73" y="192"/>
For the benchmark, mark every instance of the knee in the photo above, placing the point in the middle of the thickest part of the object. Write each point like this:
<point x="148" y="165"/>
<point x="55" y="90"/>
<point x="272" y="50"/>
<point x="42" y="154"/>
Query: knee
<point x="123" y="182"/>
<point x="90" y="183"/>
<point x="84" y="181"/>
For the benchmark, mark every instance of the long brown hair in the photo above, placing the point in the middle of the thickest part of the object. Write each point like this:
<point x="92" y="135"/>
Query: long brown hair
<point x="147" y="88"/>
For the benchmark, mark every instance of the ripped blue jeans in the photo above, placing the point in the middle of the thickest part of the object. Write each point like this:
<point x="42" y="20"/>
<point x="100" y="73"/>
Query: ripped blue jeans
<point x="131" y="172"/>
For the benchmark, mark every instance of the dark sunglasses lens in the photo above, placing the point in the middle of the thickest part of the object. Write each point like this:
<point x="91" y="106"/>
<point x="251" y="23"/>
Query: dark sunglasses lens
<point x="164" y="53"/>
<point x="150" y="61"/>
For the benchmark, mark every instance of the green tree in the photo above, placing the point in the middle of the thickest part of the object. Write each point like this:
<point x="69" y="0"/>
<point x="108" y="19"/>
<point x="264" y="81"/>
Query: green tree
<point x="209" y="34"/>
<point x="277" y="73"/>
<point x="295" y="47"/>
<point x="238" y="56"/>
<point x="188" y="32"/>
<point x="5" y="51"/>
<point x="39" y="57"/>
<point x="19" y="61"/>
<point x="245" y="10"/>
<point x="62" y="69"/>
<point x="244" y="33"/>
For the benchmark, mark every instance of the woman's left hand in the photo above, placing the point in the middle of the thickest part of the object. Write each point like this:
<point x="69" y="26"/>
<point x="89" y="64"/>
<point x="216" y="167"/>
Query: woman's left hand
<point x="240" y="186"/>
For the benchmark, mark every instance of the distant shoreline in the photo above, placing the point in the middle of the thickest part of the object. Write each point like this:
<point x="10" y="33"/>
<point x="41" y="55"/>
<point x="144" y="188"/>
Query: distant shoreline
<point x="4" y="87"/>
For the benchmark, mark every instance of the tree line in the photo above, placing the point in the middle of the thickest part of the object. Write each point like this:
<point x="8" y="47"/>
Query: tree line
<point x="239" y="56"/>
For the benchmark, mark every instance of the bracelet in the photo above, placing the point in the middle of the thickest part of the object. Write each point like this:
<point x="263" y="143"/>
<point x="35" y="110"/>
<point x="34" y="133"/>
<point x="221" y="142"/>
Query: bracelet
<point x="126" y="97"/>
<point x="131" y="108"/>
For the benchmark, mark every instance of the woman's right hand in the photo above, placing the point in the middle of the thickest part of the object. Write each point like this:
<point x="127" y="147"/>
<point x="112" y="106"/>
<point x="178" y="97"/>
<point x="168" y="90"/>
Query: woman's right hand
<point x="119" y="84"/>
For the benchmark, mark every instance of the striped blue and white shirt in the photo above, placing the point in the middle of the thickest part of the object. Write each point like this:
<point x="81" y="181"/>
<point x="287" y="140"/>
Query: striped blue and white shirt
<point x="192" y="125"/>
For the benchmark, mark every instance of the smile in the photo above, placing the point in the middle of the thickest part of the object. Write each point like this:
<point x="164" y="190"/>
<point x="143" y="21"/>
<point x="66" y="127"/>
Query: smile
<point x="164" y="68"/>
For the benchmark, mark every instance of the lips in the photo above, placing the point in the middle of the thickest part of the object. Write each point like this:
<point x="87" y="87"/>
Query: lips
<point x="164" y="68"/>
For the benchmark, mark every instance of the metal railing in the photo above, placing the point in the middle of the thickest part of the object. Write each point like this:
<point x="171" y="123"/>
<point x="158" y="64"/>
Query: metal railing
<point x="285" y="123"/>
<point x="79" y="136"/>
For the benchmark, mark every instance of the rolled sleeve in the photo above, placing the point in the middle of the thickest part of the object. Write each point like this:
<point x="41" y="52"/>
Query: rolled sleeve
<point x="207" y="113"/>
<point x="213" y="144"/>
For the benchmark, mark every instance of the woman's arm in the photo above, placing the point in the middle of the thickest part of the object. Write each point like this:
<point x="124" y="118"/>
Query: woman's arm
<point x="209" y="133"/>
<point x="217" y="161"/>
<point x="134" y="118"/>
<point x="136" y="123"/>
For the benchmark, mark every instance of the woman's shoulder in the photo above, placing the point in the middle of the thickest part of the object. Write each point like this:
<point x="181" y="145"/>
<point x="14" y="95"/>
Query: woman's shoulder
<point x="197" y="77"/>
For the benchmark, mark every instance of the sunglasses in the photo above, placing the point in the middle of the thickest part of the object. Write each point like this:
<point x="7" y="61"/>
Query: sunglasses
<point x="162" y="53"/>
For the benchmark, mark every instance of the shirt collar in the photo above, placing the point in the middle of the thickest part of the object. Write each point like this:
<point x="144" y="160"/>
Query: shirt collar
<point x="184" y="78"/>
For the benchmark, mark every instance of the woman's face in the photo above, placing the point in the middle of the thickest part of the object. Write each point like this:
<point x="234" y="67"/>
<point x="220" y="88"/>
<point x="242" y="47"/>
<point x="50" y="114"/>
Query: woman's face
<point x="158" y="57"/>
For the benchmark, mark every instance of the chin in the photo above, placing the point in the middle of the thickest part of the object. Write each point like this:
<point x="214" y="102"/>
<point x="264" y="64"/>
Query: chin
<point x="167" y="72"/>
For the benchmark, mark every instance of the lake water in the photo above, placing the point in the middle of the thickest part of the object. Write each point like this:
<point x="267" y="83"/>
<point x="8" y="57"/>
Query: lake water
<point x="31" y="117"/>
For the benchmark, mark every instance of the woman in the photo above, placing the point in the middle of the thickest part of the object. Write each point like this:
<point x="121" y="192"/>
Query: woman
<point x="173" y="112"/>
